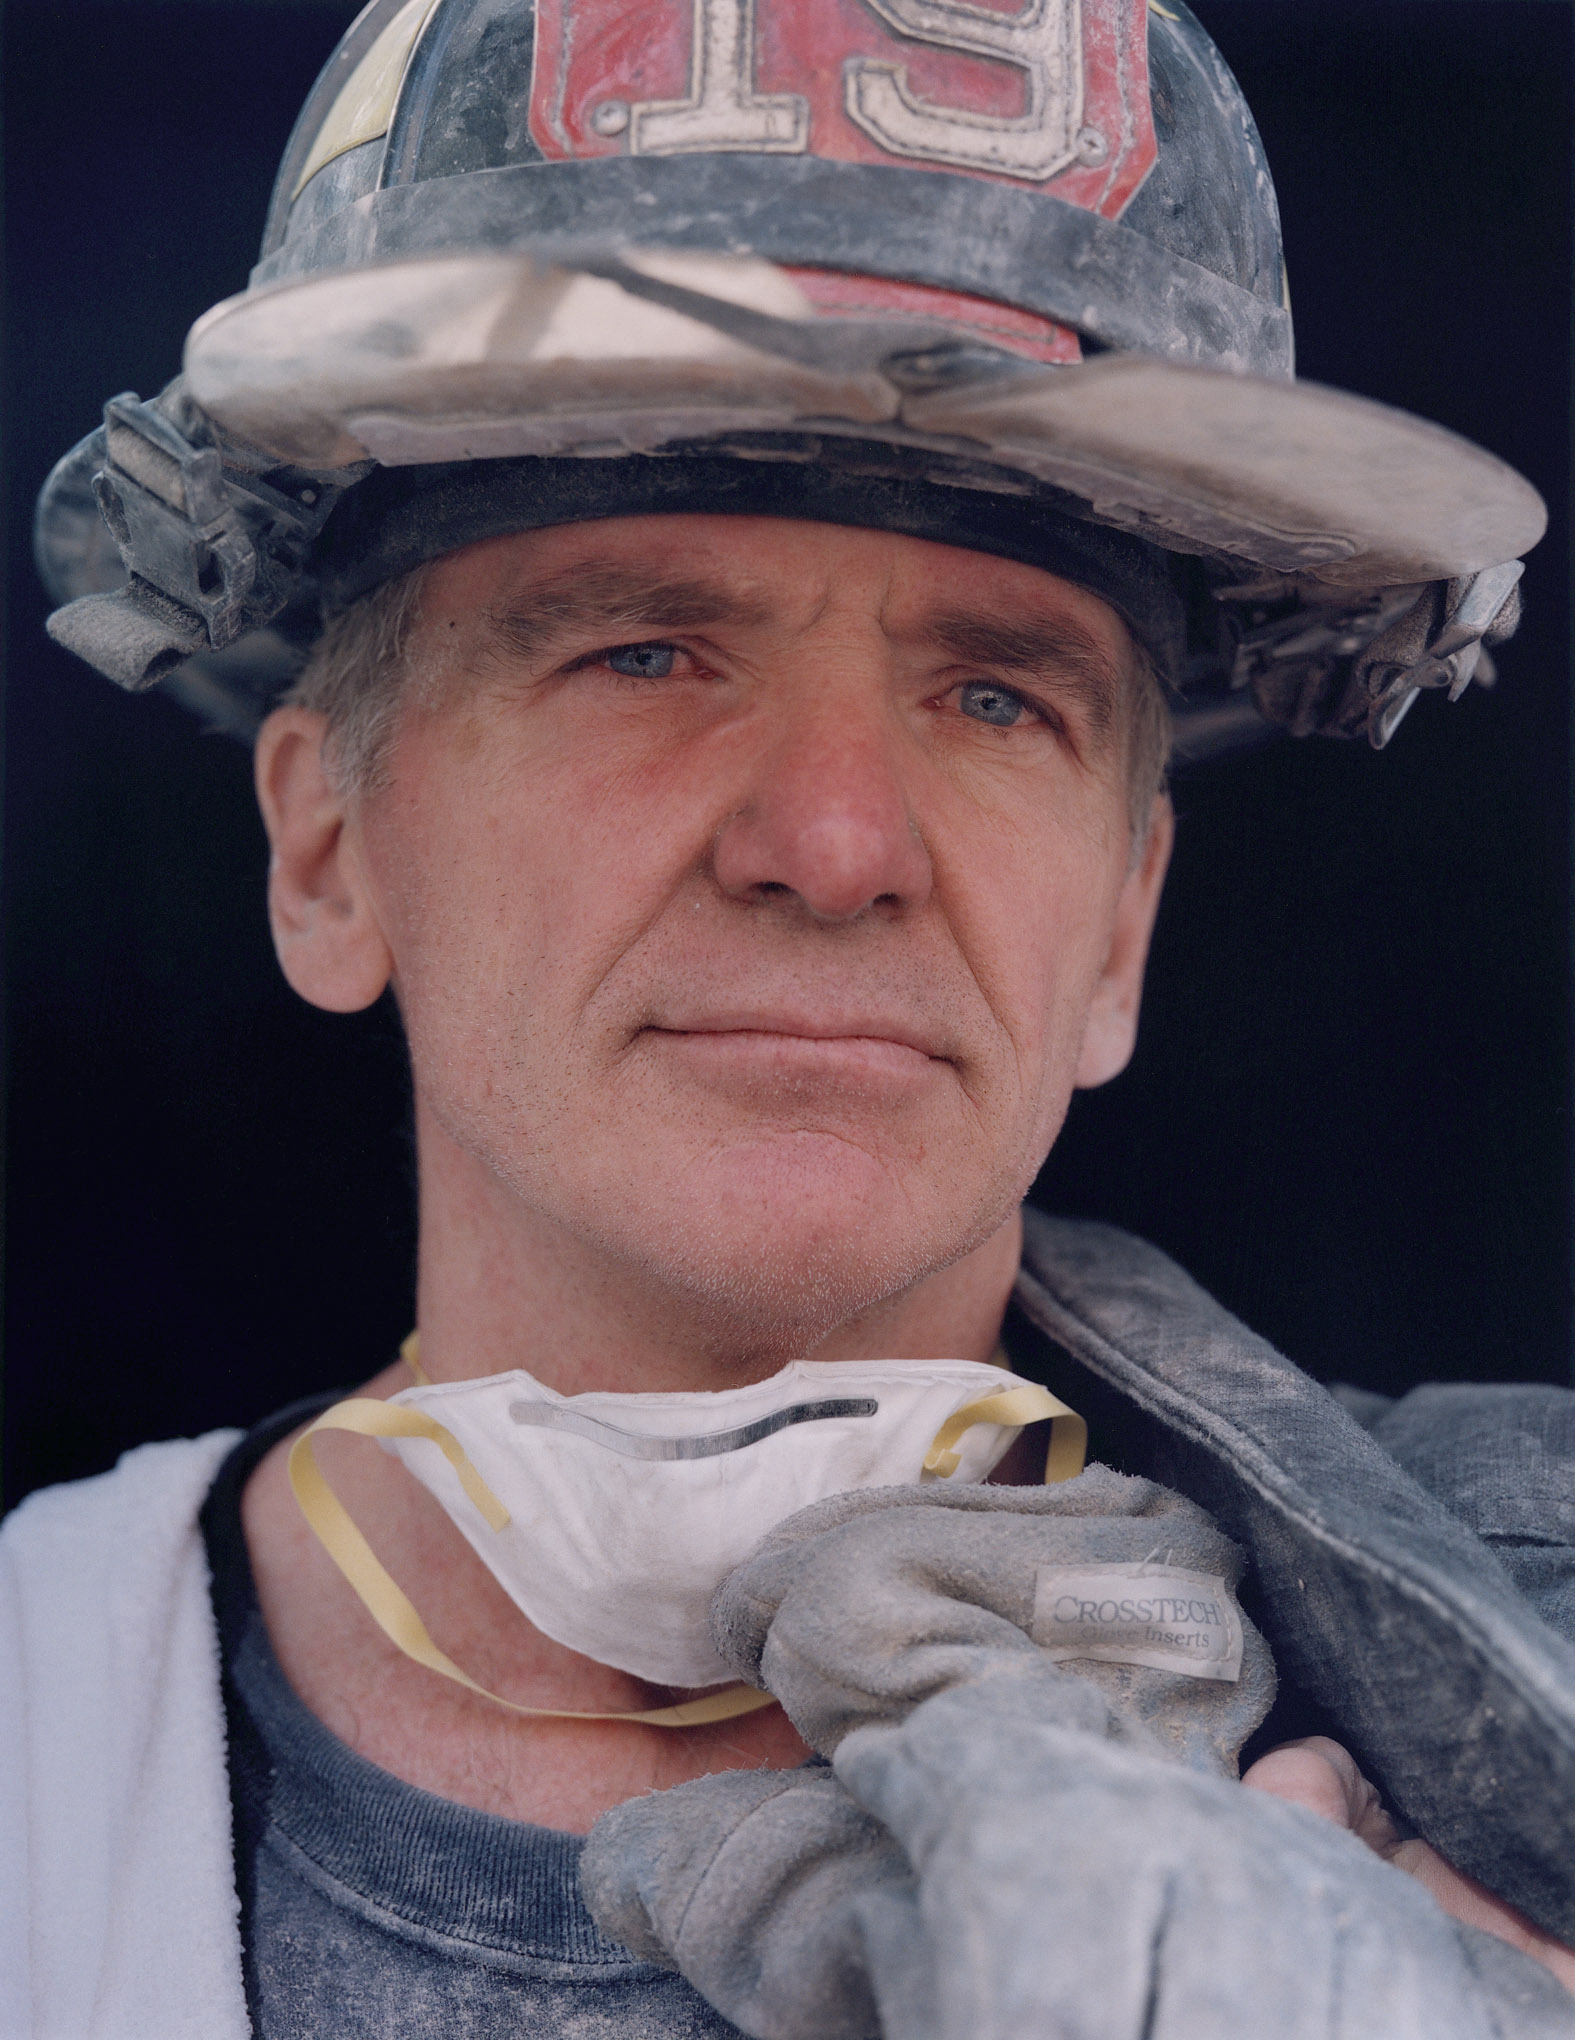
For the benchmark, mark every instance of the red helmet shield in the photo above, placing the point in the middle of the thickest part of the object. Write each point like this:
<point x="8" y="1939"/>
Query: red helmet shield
<point x="1054" y="94"/>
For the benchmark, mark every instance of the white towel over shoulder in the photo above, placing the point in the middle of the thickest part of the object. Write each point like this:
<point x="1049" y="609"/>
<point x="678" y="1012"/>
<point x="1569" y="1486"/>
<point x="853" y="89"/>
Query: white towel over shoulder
<point x="118" y="1913"/>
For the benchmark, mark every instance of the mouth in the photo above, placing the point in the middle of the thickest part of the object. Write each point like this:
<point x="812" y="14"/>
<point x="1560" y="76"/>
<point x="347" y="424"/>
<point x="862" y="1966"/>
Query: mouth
<point x="874" y="1050"/>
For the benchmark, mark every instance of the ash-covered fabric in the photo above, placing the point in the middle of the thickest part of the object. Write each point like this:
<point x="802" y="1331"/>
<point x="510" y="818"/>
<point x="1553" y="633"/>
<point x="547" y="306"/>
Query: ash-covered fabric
<point x="1455" y="1696"/>
<point x="768" y="1891"/>
<point x="371" y="1910"/>
<point x="1501" y="1456"/>
<point x="860" y="1608"/>
<point x="993" y="1867"/>
<point x="1008" y="1845"/>
<point x="760" y="1887"/>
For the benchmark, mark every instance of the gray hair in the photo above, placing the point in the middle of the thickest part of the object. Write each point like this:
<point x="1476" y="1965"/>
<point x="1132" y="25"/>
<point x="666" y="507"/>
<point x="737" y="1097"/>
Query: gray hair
<point x="1149" y="736"/>
<point x="359" y="677"/>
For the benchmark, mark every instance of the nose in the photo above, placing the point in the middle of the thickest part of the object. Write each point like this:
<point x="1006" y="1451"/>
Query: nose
<point x="828" y="822"/>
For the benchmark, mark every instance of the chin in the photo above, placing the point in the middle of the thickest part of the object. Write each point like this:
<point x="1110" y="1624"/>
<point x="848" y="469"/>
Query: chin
<point x="772" y="1299"/>
<point x="782" y="1242"/>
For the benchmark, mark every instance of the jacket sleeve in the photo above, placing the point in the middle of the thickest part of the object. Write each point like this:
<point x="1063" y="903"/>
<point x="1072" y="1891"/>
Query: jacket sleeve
<point x="1501" y="1456"/>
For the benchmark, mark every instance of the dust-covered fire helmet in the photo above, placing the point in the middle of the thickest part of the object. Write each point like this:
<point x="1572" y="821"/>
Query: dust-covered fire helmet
<point x="1010" y="279"/>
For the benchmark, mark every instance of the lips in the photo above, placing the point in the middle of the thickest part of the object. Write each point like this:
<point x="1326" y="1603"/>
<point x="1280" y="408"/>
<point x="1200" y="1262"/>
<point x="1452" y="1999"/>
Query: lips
<point x="852" y="1052"/>
<point x="799" y="1058"/>
<point x="808" y="1032"/>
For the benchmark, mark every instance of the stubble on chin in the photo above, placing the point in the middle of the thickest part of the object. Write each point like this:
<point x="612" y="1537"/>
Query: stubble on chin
<point x="750" y="1239"/>
<point x="768" y="1285"/>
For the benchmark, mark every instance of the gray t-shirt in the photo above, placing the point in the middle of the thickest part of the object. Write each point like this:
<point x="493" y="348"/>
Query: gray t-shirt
<point x="371" y="1910"/>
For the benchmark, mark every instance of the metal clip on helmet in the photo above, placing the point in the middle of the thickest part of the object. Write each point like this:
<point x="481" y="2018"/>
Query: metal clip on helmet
<point x="1007" y="280"/>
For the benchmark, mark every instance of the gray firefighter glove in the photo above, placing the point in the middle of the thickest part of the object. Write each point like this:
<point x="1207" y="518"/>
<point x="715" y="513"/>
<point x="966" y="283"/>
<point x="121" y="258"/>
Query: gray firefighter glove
<point x="861" y="1607"/>
<point x="1013" y="1845"/>
<point x="761" y="1887"/>
<point x="1074" y="1887"/>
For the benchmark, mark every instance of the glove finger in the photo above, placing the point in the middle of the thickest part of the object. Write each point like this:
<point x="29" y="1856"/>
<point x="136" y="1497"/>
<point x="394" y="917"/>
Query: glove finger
<point x="750" y="1884"/>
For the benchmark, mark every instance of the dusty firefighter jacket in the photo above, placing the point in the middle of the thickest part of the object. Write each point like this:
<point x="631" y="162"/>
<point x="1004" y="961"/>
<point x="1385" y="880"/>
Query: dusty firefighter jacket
<point x="1433" y="1625"/>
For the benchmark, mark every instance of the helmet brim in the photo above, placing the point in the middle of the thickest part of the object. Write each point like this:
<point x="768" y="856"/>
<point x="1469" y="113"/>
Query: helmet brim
<point x="473" y="356"/>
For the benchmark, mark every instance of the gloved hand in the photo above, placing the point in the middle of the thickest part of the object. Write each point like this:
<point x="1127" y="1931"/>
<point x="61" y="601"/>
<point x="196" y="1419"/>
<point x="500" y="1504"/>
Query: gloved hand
<point x="1026" y="1878"/>
<point x="1052" y="1852"/>
<point x="858" y="1608"/>
<point x="758" y="1886"/>
<point x="1069" y="1886"/>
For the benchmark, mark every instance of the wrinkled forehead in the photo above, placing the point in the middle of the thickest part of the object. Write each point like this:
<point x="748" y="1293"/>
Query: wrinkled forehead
<point x="764" y="574"/>
<point x="758" y="515"/>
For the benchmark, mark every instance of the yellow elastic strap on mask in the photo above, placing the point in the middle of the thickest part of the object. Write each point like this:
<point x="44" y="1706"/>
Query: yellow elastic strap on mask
<point x="1027" y="1404"/>
<point x="390" y="1607"/>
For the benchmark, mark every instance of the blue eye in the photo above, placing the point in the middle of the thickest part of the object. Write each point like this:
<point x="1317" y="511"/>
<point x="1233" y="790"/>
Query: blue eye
<point x="988" y="703"/>
<point x="641" y="662"/>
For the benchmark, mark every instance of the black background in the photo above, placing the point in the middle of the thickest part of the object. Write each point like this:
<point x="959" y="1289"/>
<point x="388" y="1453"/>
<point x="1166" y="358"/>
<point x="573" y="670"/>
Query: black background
<point x="1349" y="1112"/>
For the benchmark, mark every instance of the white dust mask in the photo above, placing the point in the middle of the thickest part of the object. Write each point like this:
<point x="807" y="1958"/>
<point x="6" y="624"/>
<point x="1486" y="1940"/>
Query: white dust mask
<point x="610" y="1520"/>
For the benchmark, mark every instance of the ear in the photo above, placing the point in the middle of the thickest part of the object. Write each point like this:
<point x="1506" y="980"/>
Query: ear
<point x="1111" y="1033"/>
<point x="326" y="935"/>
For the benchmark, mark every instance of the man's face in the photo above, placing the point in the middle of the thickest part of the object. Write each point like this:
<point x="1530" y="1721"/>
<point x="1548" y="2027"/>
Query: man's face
<point x="755" y="893"/>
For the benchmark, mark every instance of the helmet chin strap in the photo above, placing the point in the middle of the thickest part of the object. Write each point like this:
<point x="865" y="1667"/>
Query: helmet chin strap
<point x="393" y="1612"/>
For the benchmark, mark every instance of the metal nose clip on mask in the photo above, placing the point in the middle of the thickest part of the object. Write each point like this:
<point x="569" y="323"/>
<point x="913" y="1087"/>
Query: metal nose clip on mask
<point x="610" y="1520"/>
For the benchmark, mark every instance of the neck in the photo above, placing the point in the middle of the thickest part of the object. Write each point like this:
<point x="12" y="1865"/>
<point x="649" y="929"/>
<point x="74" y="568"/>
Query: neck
<point x="501" y="1285"/>
<point x="499" y="1288"/>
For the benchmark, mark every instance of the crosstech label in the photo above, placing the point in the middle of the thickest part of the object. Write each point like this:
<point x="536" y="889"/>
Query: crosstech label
<point x="1139" y="1614"/>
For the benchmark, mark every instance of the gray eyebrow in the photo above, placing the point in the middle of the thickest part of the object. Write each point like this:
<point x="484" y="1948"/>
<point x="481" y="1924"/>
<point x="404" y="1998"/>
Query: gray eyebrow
<point x="1056" y="647"/>
<point x="612" y="598"/>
